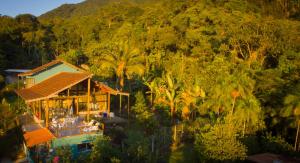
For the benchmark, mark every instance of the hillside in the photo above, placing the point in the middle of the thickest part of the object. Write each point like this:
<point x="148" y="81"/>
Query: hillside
<point x="278" y="9"/>
<point x="80" y="9"/>
<point x="85" y="8"/>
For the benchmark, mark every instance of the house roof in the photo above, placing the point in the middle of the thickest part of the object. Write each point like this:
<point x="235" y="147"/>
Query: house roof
<point x="45" y="66"/>
<point x="16" y="70"/>
<point x="52" y="86"/>
<point x="270" y="158"/>
<point x="39" y="136"/>
<point x="103" y="87"/>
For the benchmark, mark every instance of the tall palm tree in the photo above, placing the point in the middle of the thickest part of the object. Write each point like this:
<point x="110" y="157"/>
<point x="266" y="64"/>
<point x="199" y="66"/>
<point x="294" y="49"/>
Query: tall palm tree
<point x="124" y="59"/>
<point x="292" y="109"/>
<point x="248" y="113"/>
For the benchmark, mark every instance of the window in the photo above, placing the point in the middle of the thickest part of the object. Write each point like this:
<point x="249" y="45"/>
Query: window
<point x="84" y="147"/>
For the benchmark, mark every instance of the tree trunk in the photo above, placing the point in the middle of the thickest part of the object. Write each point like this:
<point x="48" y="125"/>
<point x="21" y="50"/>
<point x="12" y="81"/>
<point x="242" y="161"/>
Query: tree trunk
<point x="151" y="96"/>
<point x="244" y="128"/>
<point x="152" y="143"/>
<point x="175" y="133"/>
<point x="231" y="115"/>
<point x="174" y="137"/>
<point x="172" y="108"/>
<point x="232" y="108"/>
<point x="121" y="83"/>
<point x="297" y="135"/>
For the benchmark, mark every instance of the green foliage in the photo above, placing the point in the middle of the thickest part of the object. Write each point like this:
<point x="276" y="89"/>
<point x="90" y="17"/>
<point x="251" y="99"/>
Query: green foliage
<point x="103" y="151"/>
<point x="289" y="63"/>
<point x="7" y="117"/>
<point x="275" y="144"/>
<point x="64" y="153"/>
<point x="138" y="146"/>
<point x="143" y="114"/>
<point x="72" y="56"/>
<point x="220" y="144"/>
<point x="140" y="108"/>
<point x="267" y="143"/>
<point x="122" y="59"/>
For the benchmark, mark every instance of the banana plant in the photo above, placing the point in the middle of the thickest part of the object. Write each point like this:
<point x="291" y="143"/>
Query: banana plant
<point x="168" y="92"/>
<point x="152" y="86"/>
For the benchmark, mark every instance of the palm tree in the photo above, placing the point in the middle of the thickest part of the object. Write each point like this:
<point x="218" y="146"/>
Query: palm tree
<point x="292" y="108"/>
<point x="189" y="97"/>
<point x="124" y="60"/>
<point x="248" y="113"/>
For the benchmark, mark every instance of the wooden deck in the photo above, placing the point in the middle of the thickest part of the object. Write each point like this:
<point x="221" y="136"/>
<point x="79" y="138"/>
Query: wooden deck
<point x="71" y="129"/>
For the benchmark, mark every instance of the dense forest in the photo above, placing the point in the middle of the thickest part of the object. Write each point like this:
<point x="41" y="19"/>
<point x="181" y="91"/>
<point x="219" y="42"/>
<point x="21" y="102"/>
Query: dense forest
<point x="227" y="71"/>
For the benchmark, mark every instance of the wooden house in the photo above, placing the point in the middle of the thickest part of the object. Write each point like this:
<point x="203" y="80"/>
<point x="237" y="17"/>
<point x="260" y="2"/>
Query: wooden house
<point x="62" y="99"/>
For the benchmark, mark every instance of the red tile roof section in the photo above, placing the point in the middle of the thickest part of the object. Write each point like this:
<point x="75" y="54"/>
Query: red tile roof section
<point x="110" y="90"/>
<point x="52" y="86"/>
<point x="36" y="137"/>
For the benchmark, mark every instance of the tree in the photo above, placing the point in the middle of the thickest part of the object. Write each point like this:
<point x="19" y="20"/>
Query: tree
<point x="292" y="110"/>
<point x="138" y="146"/>
<point x="220" y="144"/>
<point x="168" y="92"/>
<point x="140" y="108"/>
<point x="189" y="97"/>
<point x="248" y="116"/>
<point x="124" y="59"/>
<point x="27" y="21"/>
<point x="64" y="153"/>
<point x="152" y="86"/>
<point x="103" y="151"/>
<point x="72" y="56"/>
<point x="7" y="116"/>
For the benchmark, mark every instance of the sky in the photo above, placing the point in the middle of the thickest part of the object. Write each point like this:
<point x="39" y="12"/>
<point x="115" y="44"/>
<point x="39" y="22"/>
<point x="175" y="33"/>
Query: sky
<point x="34" y="7"/>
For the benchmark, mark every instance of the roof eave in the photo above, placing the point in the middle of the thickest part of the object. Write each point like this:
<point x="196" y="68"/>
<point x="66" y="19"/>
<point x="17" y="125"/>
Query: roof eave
<point x="54" y="62"/>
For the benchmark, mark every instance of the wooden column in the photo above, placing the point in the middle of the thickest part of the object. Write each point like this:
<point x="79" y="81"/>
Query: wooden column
<point x="33" y="108"/>
<point x="40" y="109"/>
<point x="88" y="99"/>
<point x="77" y="90"/>
<point x="108" y="103"/>
<point x="77" y="105"/>
<point x="47" y="113"/>
<point x="68" y="98"/>
<point x="120" y="102"/>
<point x="36" y="106"/>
